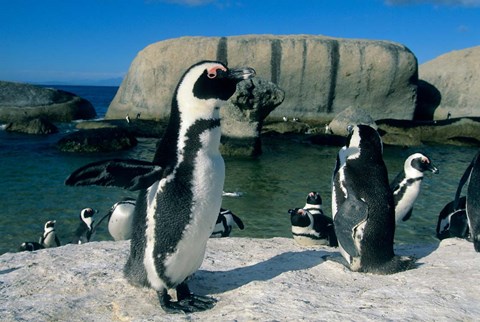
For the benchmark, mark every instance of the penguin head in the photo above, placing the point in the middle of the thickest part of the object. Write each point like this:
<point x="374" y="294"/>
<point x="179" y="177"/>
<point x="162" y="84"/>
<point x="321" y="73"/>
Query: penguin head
<point x="417" y="163"/>
<point x="362" y="140"/>
<point x="207" y="85"/>
<point x="86" y="216"/>
<point x="300" y="217"/>
<point x="49" y="226"/>
<point x="314" y="200"/>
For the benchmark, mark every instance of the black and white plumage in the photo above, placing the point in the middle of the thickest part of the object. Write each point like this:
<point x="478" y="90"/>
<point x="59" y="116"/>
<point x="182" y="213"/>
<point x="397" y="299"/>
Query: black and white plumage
<point x="472" y="203"/>
<point x="310" y="226"/>
<point x="406" y="185"/>
<point x="120" y="219"/>
<point x="49" y="237"/>
<point x="85" y="228"/>
<point x="30" y="246"/>
<point x="362" y="205"/>
<point x="180" y="191"/>
<point x="226" y="221"/>
<point x="453" y="222"/>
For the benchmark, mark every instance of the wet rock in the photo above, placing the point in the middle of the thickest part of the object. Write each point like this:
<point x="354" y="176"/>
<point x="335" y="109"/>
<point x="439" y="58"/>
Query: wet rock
<point x="97" y="140"/>
<point x="20" y="101"/>
<point x="32" y="126"/>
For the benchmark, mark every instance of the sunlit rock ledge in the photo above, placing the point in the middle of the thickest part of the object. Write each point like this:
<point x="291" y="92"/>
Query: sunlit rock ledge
<point x="253" y="279"/>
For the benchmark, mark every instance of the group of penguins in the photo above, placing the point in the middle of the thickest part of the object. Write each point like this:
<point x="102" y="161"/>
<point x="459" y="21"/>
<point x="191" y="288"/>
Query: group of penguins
<point x="180" y="195"/>
<point x="119" y="223"/>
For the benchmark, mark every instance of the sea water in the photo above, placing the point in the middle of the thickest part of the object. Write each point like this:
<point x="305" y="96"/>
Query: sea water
<point x="34" y="170"/>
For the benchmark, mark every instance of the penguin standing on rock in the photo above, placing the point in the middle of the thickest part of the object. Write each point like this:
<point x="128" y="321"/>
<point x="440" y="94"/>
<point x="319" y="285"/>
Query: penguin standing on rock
<point x="85" y="230"/>
<point x="49" y="237"/>
<point x="310" y="227"/>
<point x="406" y="185"/>
<point x="225" y="222"/>
<point x="180" y="191"/>
<point x="362" y="205"/>
<point x="120" y="219"/>
<point x="453" y="222"/>
<point x="472" y="175"/>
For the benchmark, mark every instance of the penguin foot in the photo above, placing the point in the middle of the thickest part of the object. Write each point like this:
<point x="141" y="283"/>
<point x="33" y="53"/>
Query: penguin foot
<point x="189" y="304"/>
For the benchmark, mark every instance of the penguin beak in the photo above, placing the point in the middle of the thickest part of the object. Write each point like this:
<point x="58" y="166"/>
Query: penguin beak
<point x="242" y="73"/>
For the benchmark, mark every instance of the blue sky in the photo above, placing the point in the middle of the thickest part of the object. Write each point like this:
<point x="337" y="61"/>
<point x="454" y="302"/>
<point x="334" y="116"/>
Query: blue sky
<point x="89" y="40"/>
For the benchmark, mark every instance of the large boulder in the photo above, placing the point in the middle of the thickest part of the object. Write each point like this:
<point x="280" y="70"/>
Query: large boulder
<point x="34" y="126"/>
<point x="453" y="84"/>
<point x="321" y="76"/>
<point x="252" y="279"/>
<point x="97" y="140"/>
<point x="19" y="101"/>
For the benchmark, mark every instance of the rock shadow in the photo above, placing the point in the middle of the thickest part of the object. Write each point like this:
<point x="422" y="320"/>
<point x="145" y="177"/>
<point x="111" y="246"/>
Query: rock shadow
<point x="428" y="99"/>
<point x="211" y="282"/>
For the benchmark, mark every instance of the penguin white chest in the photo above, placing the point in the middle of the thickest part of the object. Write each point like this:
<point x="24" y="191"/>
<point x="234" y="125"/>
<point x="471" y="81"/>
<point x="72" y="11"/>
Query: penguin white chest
<point x="407" y="200"/>
<point x="208" y="180"/>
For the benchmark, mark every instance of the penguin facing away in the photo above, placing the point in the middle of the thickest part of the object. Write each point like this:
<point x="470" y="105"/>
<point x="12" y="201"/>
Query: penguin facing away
<point x="85" y="230"/>
<point x="49" y="237"/>
<point x="310" y="226"/>
<point x="362" y="204"/>
<point x="226" y="221"/>
<point x="472" y="207"/>
<point x="453" y="222"/>
<point x="180" y="192"/>
<point x="406" y="185"/>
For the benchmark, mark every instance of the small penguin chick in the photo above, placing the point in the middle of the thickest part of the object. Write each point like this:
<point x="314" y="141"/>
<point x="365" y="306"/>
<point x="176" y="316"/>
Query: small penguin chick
<point x="49" y="237"/>
<point x="406" y="185"/>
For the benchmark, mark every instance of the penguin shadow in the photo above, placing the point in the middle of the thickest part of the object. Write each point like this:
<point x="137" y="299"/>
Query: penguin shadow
<point x="223" y="281"/>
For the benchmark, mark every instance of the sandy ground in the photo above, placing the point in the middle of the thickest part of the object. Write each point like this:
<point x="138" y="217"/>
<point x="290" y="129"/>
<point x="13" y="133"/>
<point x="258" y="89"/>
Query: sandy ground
<point x="252" y="279"/>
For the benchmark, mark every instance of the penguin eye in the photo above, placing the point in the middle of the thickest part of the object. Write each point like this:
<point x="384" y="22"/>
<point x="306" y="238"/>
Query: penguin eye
<point x="211" y="75"/>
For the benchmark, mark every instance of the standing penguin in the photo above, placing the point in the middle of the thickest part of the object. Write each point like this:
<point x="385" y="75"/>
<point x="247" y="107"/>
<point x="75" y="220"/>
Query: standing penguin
<point x="362" y="205"/>
<point x="406" y="185"/>
<point x="84" y="231"/>
<point x="310" y="227"/>
<point x="120" y="219"/>
<point x="49" y="237"/>
<point x="180" y="191"/>
<point x="225" y="222"/>
<point x="453" y="222"/>
<point x="472" y="175"/>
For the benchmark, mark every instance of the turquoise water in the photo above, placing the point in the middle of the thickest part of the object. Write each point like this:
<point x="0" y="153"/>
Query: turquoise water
<point x="33" y="172"/>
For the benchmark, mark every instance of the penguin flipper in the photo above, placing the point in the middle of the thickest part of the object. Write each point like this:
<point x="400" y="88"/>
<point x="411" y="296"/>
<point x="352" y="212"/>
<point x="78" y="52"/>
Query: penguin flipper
<point x="238" y="221"/>
<point x="407" y="215"/>
<point x="462" y="182"/>
<point x="124" y="173"/>
<point x="350" y="214"/>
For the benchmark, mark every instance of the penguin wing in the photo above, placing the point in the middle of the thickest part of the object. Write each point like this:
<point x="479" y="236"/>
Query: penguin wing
<point x="396" y="181"/>
<point x="124" y="173"/>
<point x="238" y="221"/>
<point x="350" y="214"/>
<point x="462" y="182"/>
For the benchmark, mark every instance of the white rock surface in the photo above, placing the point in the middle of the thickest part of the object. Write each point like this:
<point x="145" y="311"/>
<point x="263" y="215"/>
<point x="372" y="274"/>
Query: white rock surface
<point x="253" y="279"/>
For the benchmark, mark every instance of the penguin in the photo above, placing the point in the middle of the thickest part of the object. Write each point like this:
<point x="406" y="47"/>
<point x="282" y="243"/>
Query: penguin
<point x="407" y="183"/>
<point x="49" y="238"/>
<point x="180" y="192"/>
<point x="127" y="118"/>
<point x="362" y="205"/>
<point x="472" y="203"/>
<point x="30" y="246"/>
<point x="84" y="231"/>
<point x="453" y="222"/>
<point x="225" y="222"/>
<point x="310" y="227"/>
<point x="120" y="219"/>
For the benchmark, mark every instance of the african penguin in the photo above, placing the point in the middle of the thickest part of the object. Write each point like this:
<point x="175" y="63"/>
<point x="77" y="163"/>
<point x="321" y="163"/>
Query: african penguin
<point x="84" y="231"/>
<point x="406" y="185"/>
<point x="472" y="207"/>
<point x="49" y="237"/>
<point x="120" y="219"/>
<point x="362" y="205"/>
<point x="310" y="227"/>
<point x="453" y="222"/>
<point x="30" y="246"/>
<point x="225" y="222"/>
<point x="180" y="191"/>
